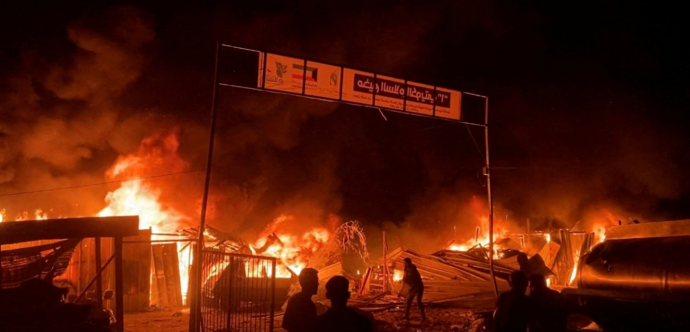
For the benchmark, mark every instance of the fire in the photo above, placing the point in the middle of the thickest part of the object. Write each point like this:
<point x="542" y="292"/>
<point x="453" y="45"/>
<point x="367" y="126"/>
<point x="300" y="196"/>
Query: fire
<point x="397" y="275"/>
<point x="2" y="215"/>
<point x="576" y="262"/>
<point x="599" y="233"/>
<point x="294" y="252"/>
<point x="139" y="197"/>
<point x="481" y="237"/>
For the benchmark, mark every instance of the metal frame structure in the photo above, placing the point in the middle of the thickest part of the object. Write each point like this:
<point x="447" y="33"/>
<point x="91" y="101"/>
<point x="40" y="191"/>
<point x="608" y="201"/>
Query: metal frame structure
<point x="195" y="291"/>
<point x="233" y="300"/>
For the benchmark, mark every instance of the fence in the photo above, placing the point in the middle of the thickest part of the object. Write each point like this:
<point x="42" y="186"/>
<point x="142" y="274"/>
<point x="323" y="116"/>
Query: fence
<point x="238" y="292"/>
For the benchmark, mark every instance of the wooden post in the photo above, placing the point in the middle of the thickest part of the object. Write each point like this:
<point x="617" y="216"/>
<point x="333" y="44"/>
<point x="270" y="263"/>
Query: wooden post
<point x="119" y="287"/>
<point x="99" y="279"/>
<point x="385" y="263"/>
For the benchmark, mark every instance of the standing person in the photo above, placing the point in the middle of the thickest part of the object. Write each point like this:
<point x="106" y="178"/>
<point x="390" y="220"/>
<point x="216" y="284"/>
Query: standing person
<point x="513" y="308"/>
<point x="300" y="314"/>
<point x="550" y="312"/>
<point x="340" y="317"/>
<point x="413" y="280"/>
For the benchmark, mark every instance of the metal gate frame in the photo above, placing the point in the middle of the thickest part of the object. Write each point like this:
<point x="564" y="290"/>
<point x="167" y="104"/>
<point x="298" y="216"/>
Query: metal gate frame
<point x="238" y="292"/>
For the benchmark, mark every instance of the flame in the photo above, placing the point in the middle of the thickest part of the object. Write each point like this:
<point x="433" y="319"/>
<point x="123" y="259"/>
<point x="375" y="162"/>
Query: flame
<point x="599" y="233"/>
<point x="483" y="238"/>
<point x="140" y="197"/>
<point x="294" y="252"/>
<point x="397" y="275"/>
<point x="547" y="237"/>
<point x="576" y="261"/>
<point x="2" y="215"/>
<point x="548" y="282"/>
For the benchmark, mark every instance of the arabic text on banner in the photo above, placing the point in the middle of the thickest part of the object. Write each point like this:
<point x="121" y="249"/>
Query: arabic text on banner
<point x="448" y="103"/>
<point x="358" y="86"/>
<point x="390" y="92"/>
<point x="420" y="98"/>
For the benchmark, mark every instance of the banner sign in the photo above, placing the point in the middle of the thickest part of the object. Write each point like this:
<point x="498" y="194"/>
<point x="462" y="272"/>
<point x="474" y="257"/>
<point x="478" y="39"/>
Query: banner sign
<point x="316" y="79"/>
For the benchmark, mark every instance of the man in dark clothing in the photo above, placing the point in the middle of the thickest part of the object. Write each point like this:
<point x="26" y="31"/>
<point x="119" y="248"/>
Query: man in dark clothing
<point x="413" y="280"/>
<point x="340" y="317"/>
<point x="300" y="314"/>
<point x="550" y="312"/>
<point x="513" y="309"/>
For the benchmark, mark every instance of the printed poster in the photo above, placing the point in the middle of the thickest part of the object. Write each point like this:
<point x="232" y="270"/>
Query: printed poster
<point x="420" y="98"/>
<point x="322" y="80"/>
<point x="448" y="103"/>
<point x="358" y="86"/>
<point x="284" y="73"/>
<point x="390" y="92"/>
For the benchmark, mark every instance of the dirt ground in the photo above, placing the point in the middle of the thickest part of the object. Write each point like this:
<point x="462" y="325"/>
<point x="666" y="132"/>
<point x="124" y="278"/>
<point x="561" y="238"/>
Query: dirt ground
<point x="439" y="319"/>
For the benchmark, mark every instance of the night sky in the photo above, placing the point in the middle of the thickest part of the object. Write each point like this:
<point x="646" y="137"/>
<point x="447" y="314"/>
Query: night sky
<point x="588" y="106"/>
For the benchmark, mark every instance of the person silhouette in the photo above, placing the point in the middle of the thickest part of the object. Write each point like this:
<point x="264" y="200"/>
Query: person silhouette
<point x="513" y="309"/>
<point x="300" y="314"/>
<point x="413" y="280"/>
<point x="340" y="317"/>
<point x="550" y="312"/>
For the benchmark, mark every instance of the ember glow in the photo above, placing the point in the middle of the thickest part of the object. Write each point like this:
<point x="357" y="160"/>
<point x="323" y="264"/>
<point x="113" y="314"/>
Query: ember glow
<point x="599" y="233"/>
<point x="397" y="275"/>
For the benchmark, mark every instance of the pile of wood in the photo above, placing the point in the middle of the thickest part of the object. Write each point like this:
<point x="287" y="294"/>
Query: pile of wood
<point x="451" y="277"/>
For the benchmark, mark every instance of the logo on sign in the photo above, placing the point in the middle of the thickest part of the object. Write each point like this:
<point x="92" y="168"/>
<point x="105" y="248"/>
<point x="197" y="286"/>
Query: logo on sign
<point x="310" y="73"/>
<point x="281" y="69"/>
<point x="334" y="79"/>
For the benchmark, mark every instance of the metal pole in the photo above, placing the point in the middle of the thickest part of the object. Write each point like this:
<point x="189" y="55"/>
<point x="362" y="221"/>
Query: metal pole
<point x="488" y="192"/>
<point x="195" y="312"/>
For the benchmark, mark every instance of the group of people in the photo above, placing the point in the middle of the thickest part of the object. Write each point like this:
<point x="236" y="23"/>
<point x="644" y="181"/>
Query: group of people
<point x="300" y="314"/>
<point x="544" y="310"/>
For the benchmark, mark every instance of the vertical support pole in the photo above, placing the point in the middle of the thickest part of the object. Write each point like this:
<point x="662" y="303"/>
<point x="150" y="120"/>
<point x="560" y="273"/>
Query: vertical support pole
<point x="273" y="294"/>
<point x="99" y="278"/>
<point x="195" y="291"/>
<point x="489" y="197"/>
<point x="385" y="263"/>
<point x="119" y="287"/>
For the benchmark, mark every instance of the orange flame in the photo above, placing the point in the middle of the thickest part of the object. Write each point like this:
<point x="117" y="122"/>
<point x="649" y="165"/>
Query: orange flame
<point x="157" y="154"/>
<point x="294" y="252"/>
<point x="483" y="239"/>
<point x="574" y="274"/>
<point x="397" y="275"/>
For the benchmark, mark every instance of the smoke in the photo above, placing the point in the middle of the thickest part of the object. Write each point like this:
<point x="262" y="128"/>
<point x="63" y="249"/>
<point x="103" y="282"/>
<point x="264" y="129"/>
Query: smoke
<point x="570" y="142"/>
<point x="60" y="110"/>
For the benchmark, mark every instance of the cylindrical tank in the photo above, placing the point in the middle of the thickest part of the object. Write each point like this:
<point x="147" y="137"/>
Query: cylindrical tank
<point x="660" y="266"/>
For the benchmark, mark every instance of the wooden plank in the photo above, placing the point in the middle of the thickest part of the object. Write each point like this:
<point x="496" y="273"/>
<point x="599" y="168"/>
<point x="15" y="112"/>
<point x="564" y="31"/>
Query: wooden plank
<point x="137" y="262"/>
<point x="32" y="230"/>
<point x="159" y="275"/>
<point x="172" y="274"/>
